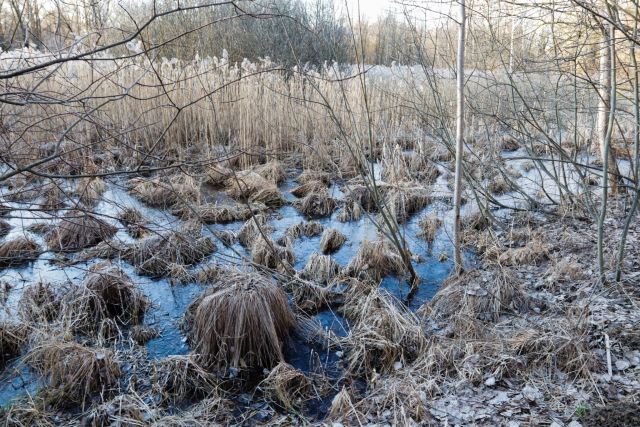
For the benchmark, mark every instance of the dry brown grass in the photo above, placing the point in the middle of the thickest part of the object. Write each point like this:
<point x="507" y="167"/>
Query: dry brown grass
<point x="107" y="295"/>
<point x="269" y="253"/>
<point x="134" y="221"/>
<point x="273" y="171"/>
<point x="78" y="230"/>
<point x="403" y="202"/>
<point x="350" y="211"/>
<point x="287" y="386"/>
<point x="308" y="188"/>
<point x="375" y="260"/>
<point x="310" y="297"/>
<point x="142" y="334"/>
<point x="476" y="295"/>
<point x="331" y="240"/>
<point x="171" y="192"/>
<point x="320" y="268"/>
<point x="310" y="175"/>
<point x="39" y="303"/>
<point x="18" y="251"/>
<point x="315" y="205"/>
<point x="89" y="190"/>
<point x="269" y="196"/>
<point x="429" y="225"/>
<point x="216" y="175"/>
<point x="12" y="337"/>
<point x="245" y="184"/>
<point x="383" y="334"/>
<point x="533" y="252"/>
<point x="123" y="410"/>
<point x="4" y="228"/>
<point x="158" y="255"/>
<point x="74" y="372"/>
<point x="242" y="322"/>
<point x="180" y="378"/>
<point x="213" y="213"/>
<point x="306" y="229"/>
<point x="250" y="230"/>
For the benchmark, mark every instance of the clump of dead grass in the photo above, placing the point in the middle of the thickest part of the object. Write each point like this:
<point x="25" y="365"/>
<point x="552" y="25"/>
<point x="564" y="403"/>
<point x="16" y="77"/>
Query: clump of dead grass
<point x="269" y="196"/>
<point x="384" y="333"/>
<point x="310" y="175"/>
<point x="134" y="221"/>
<point x="39" y="303"/>
<point x="429" y="225"/>
<point x="78" y="230"/>
<point x="271" y="254"/>
<point x="244" y="184"/>
<point x="273" y="171"/>
<point x="18" y="251"/>
<point x="158" y="255"/>
<point x="533" y="252"/>
<point x="216" y="175"/>
<point x="89" y="190"/>
<point x="287" y="386"/>
<point x="350" y="211"/>
<point x="375" y="260"/>
<point x="403" y="202"/>
<point x="320" y="268"/>
<point x="4" y="228"/>
<point x="12" y="337"/>
<point x="308" y="188"/>
<point x="174" y="191"/>
<point x="331" y="240"/>
<point x="254" y="227"/>
<point x="213" y="213"/>
<point x="74" y="372"/>
<point x="125" y="410"/>
<point x="180" y="378"/>
<point x="305" y="228"/>
<point x="315" y="205"/>
<point x="242" y="322"/>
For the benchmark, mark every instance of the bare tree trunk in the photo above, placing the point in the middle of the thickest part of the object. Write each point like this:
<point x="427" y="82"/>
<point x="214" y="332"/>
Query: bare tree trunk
<point x="457" y="193"/>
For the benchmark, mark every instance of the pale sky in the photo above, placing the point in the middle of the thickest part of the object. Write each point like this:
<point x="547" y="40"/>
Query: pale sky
<point x="372" y="9"/>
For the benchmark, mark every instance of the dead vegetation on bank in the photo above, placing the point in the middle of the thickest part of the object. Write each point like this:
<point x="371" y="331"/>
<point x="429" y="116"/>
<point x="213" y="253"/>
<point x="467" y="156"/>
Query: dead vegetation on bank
<point x="18" y="251"/>
<point x="78" y="230"/>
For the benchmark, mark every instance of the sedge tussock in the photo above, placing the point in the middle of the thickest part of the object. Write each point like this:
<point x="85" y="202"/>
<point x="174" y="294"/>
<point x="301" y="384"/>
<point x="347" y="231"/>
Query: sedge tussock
<point x="342" y="406"/>
<point x="165" y="193"/>
<point x="310" y="296"/>
<point x="214" y="410"/>
<point x="134" y="222"/>
<point x="216" y="175"/>
<point x="251" y="230"/>
<point x="242" y="322"/>
<point x="383" y="333"/>
<point x="375" y="260"/>
<point x="498" y="186"/>
<point x="269" y="196"/>
<point x="509" y="143"/>
<point x="227" y="237"/>
<point x="78" y="230"/>
<point x="89" y="190"/>
<point x="40" y="228"/>
<point x="54" y="197"/>
<point x="142" y="334"/>
<point x="331" y="241"/>
<point x="74" y="372"/>
<point x="287" y="386"/>
<point x="402" y="397"/>
<point x="156" y="256"/>
<point x="429" y="225"/>
<point x="12" y="337"/>
<point x="533" y="252"/>
<point x="18" y="251"/>
<point x="361" y="196"/>
<point x="305" y="228"/>
<point x="271" y="254"/>
<point x="273" y="171"/>
<point x="213" y="213"/>
<point x="350" y="211"/>
<point x="107" y="249"/>
<point x="180" y="378"/>
<point x="308" y="188"/>
<point x="125" y="410"/>
<point x="320" y="268"/>
<point x="403" y="202"/>
<point x="39" y="303"/>
<point x="4" y="228"/>
<point x="106" y="294"/>
<point x="472" y="296"/>
<point x="314" y="176"/>
<point x="316" y="205"/>
<point x="244" y="184"/>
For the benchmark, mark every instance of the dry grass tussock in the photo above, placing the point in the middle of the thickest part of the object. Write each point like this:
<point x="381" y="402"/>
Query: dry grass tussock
<point x="477" y="295"/>
<point x="242" y="322"/>
<point x="159" y="255"/>
<point x="213" y="213"/>
<point x="271" y="254"/>
<point x="247" y="185"/>
<point x="320" y="268"/>
<point x="533" y="252"/>
<point x="107" y="295"/>
<point x="310" y="297"/>
<point x="383" y="334"/>
<point x="402" y="202"/>
<point x="12" y="337"/>
<point x="78" y="230"/>
<point x="18" y="251"/>
<point x="89" y="190"/>
<point x="305" y="228"/>
<point x="398" y="166"/>
<point x="180" y="378"/>
<point x="124" y="410"/>
<point x="307" y="188"/>
<point x="316" y="205"/>
<point x="273" y="171"/>
<point x="375" y="260"/>
<point x="310" y="175"/>
<point x="287" y="387"/>
<point x="255" y="227"/>
<point x="40" y="303"/>
<point x="4" y="228"/>
<point x="331" y="240"/>
<point x="174" y="191"/>
<point x="74" y="372"/>
<point x="134" y="221"/>
<point x="216" y="175"/>
<point x="350" y="211"/>
<point x="429" y="225"/>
